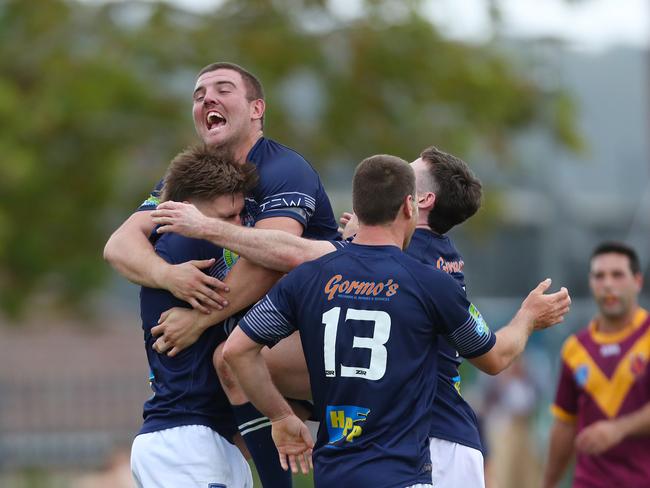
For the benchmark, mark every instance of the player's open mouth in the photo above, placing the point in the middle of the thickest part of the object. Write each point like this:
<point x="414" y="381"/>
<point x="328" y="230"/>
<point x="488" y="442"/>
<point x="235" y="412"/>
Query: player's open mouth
<point x="214" y="120"/>
<point x="610" y="300"/>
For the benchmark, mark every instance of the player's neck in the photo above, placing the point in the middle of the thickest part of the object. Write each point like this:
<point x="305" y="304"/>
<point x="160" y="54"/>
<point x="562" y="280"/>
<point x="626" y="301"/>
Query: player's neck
<point x="242" y="150"/>
<point x="608" y="325"/>
<point x="379" y="235"/>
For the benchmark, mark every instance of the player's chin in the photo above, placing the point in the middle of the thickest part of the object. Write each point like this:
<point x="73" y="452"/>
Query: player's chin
<point x="215" y="137"/>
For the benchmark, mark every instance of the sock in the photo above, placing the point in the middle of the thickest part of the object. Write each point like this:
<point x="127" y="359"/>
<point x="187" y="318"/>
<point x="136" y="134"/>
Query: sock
<point x="255" y="428"/>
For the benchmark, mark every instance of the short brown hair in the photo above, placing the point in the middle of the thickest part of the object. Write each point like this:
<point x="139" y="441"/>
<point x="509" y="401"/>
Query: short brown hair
<point x="205" y="172"/>
<point x="379" y="186"/>
<point x="254" y="90"/>
<point x="614" y="247"/>
<point x="458" y="191"/>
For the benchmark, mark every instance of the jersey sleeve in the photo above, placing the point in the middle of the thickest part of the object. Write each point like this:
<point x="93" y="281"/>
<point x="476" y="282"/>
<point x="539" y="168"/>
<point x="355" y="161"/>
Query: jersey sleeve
<point x="153" y="199"/>
<point x="565" y="406"/>
<point x="272" y="318"/>
<point x="288" y="188"/>
<point x="458" y="320"/>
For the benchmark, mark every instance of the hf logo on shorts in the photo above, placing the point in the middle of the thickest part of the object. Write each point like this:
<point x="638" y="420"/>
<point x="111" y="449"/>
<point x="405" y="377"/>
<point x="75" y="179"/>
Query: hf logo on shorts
<point x="344" y="423"/>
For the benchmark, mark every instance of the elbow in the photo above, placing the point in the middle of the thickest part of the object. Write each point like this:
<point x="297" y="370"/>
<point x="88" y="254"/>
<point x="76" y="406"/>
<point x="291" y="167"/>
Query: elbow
<point x="493" y="365"/>
<point x="294" y="261"/>
<point x="229" y="353"/>
<point x="493" y="369"/>
<point x="109" y="251"/>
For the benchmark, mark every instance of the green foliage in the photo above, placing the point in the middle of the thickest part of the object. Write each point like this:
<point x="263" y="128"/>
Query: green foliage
<point x="95" y="100"/>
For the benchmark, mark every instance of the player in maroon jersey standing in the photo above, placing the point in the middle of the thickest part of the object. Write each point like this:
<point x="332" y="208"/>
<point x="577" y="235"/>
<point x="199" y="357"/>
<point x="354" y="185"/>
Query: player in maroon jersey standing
<point x="602" y="405"/>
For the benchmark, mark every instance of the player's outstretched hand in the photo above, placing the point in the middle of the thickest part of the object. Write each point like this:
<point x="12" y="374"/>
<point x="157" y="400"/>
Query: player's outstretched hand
<point x="546" y="309"/>
<point x="177" y="329"/>
<point x="294" y="443"/>
<point x="180" y="218"/>
<point x="599" y="437"/>
<point x="187" y="282"/>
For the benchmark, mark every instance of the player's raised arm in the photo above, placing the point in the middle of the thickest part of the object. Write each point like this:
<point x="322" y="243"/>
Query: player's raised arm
<point x="538" y="311"/>
<point x="270" y="248"/>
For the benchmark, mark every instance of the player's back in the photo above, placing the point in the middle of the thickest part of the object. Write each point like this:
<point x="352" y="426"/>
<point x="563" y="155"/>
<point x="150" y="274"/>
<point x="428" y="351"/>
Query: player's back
<point x="368" y="318"/>
<point x="186" y="388"/>
<point x="454" y="420"/>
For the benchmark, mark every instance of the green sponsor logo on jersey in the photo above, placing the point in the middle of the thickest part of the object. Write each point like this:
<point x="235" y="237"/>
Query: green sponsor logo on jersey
<point x="481" y="327"/>
<point x="230" y="258"/>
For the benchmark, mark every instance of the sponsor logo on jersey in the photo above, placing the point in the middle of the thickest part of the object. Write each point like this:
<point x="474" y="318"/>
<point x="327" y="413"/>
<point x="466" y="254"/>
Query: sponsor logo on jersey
<point x="481" y="327"/>
<point x="450" y="266"/>
<point x="608" y="350"/>
<point x="230" y="258"/>
<point x="581" y="374"/>
<point x="339" y="286"/>
<point x="344" y="423"/>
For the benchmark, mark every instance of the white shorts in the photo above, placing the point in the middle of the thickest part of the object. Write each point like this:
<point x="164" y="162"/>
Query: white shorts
<point x="192" y="456"/>
<point x="456" y="465"/>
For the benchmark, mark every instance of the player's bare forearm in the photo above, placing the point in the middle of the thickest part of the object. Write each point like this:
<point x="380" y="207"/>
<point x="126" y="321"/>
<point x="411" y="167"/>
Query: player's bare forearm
<point x="270" y="248"/>
<point x="130" y="253"/>
<point x="179" y="328"/>
<point x="560" y="452"/>
<point x="246" y="362"/>
<point x="635" y="424"/>
<point x="601" y="436"/>
<point x="510" y="343"/>
<point x="538" y="311"/>
<point x="290" y="434"/>
<point x="274" y="243"/>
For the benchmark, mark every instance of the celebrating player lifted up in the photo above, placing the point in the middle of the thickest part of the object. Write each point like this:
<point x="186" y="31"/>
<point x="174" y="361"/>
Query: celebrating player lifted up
<point x="228" y="112"/>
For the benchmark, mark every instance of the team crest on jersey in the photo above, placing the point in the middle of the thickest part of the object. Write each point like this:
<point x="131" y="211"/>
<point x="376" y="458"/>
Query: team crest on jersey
<point x="481" y="326"/>
<point x="230" y="258"/>
<point x="581" y="374"/>
<point x="344" y="423"/>
<point x="638" y="364"/>
<point x="152" y="201"/>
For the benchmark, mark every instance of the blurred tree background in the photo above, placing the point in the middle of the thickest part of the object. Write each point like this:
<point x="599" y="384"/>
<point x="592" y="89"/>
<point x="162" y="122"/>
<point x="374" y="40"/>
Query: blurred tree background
<point x="95" y="99"/>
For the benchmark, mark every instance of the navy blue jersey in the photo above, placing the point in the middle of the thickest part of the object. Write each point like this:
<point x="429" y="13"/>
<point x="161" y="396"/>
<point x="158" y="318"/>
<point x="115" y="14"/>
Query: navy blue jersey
<point x="186" y="388"/>
<point x="369" y="319"/>
<point x="454" y="419"/>
<point x="288" y="187"/>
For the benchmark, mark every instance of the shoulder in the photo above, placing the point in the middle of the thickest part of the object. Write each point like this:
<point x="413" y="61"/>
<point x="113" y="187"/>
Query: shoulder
<point x="424" y="271"/>
<point x="271" y="156"/>
<point x="573" y="344"/>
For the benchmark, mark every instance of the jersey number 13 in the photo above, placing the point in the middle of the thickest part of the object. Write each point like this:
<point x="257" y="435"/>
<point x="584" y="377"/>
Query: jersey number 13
<point x="378" y="353"/>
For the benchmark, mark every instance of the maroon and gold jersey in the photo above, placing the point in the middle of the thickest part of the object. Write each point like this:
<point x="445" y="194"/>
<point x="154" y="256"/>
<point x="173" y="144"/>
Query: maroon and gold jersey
<point x="605" y="376"/>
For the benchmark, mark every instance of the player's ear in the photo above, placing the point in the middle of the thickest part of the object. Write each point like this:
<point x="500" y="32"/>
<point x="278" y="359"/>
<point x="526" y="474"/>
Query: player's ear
<point x="426" y="201"/>
<point x="257" y="108"/>
<point x="409" y="207"/>
<point x="638" y="277"/>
